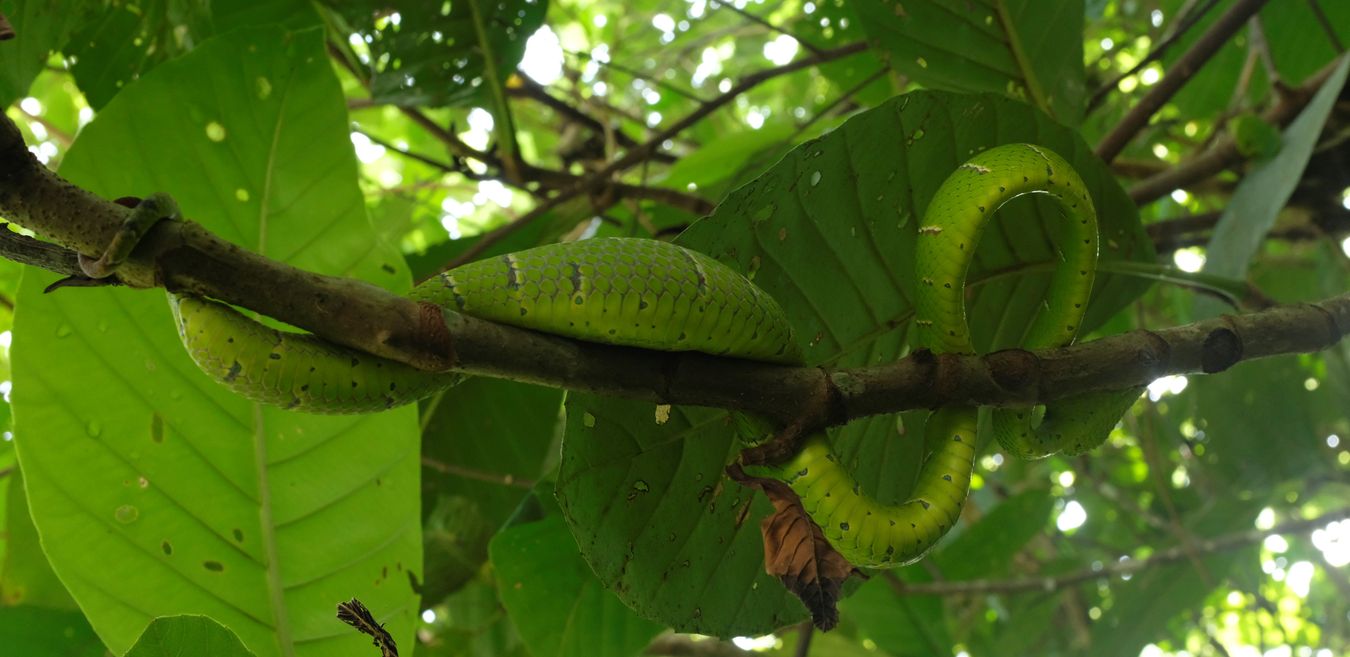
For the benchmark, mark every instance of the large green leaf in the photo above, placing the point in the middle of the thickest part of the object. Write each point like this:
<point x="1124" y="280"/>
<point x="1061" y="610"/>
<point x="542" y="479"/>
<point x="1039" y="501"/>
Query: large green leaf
<point x="1026" y="49"/>
<point x="40" y="27"/>
<point x="114" y="44"/>
<point x="198" y="636"/>
<point x="157" y="492"/>
<point x="424" y="52"/>
<point x="555" y="601"/>
<point x="829" y="232"/>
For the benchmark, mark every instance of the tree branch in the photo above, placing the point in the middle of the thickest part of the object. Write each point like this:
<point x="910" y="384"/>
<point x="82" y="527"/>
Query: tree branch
<point x="1125" y="567"/>
<point x="1177" y="76"/>
<point x="183" y="257"/>
<point x="1158" y="50"/>
<point x="1224" y="153"/>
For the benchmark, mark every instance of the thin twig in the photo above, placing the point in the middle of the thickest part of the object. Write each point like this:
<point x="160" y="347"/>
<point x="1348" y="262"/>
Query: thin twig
<point x="1224" y="153"/>
<point x="1158" y="51"/>
<point x="641" y="153"/>
<point x="476" y="475"/>
<point x="804" y="633"/>
<point x="534" y="91"/>
<point x="61" y="136"/>
<point x="1114" y="568"/>
<point x="1177" y="76"/>
<point x="638" y="75"/>
<point x="1327" y="29"/>
<point x="772" y="28"/>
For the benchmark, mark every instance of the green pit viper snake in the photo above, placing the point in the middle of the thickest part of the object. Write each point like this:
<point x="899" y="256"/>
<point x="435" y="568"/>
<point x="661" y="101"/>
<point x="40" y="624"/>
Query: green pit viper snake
<point x="656" y="295"/>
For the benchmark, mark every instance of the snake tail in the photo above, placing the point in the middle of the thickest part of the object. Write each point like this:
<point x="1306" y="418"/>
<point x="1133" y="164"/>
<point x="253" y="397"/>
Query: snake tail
<point x="295" y="371"/>
<point x="632" y="292"/>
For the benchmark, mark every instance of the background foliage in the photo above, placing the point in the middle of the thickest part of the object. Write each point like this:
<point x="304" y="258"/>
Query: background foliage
<point x="139" y="499"/>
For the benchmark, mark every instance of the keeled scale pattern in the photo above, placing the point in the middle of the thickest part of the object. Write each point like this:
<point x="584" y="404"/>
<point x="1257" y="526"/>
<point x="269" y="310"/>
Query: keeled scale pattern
<point x="634" y="292"/>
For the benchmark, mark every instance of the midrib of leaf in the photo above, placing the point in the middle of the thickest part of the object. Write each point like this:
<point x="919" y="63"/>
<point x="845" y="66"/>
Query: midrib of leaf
<point x="1015" y="45"/>
<point x="267" y="525"/>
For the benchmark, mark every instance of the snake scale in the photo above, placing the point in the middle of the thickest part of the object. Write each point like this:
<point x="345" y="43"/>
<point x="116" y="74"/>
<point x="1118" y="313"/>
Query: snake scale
<point x="652" y="294"/>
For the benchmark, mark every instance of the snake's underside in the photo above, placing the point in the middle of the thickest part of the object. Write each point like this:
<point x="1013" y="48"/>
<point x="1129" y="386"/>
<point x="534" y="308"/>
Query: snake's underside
<point x="651" y="294"/>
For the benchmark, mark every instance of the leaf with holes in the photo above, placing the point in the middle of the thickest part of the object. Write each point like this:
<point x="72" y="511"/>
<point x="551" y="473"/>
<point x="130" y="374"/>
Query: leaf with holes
<point x="828" y="232"/>
<point x="156" y="491"/>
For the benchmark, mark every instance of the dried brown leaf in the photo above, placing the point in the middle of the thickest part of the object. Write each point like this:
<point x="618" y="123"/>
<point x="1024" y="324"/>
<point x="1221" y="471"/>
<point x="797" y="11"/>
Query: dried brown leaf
<point x="797" y="553"/>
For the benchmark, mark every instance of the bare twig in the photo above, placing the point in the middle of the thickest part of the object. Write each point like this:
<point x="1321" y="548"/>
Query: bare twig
<point x="639" y="75"/>
<point x="1224" y="153"/>
<point x="804" y="633"/>
<point x="637" y="155"/>
<point x="771" y="27"/>
<point x="1188" y="21"/>
<point x="1114" y="568"/>
<point x="61" y="136"/>
<point x="477" y="475"/>
<point x="1327" y="29"/>
<point x="1178" y="75"/>
<point x="533" y="90"/>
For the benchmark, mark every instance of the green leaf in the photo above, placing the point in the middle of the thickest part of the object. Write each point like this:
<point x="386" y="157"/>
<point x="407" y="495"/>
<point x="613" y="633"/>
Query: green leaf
<point x="155" y="490"/>
<point x="431" y="55"/>
<point x="1031" y="50"/>
<point x="198" y="636"/>
<point x="986" y="549"/>
<point x="118" y="42"/>
<point x="1263" y="192"/>
<point x="40" y="28"/>
<point x="555" y="601"/>
<point x="31" y="630"/>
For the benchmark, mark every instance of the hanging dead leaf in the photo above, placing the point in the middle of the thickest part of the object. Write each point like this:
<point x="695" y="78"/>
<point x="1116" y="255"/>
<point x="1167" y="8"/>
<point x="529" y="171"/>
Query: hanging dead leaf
<point x="796" y="551"/>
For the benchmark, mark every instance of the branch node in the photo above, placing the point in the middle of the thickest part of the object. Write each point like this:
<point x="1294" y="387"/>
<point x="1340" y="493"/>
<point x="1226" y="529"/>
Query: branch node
<point x="1013" y="370"/>
<point x="1221" y="350"/>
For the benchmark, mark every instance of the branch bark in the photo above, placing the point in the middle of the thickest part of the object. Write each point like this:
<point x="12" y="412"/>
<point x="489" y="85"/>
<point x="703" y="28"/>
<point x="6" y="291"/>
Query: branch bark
<point x="184" y="257"/>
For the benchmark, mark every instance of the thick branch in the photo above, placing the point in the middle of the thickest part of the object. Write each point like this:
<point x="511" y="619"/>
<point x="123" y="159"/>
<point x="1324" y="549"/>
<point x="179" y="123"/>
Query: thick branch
<point x="182" y="256"/>
<point x="1114" y="568"/>
<point x="1177" y="76"/>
